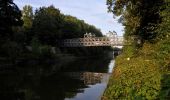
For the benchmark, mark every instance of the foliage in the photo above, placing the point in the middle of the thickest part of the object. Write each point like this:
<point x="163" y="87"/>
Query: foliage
<point x="75" y="28"/>
<point x="10" y="15"/>
<point x="43" y="29"/>
<point x="40" y="51"/>
<point x="163" y="54"/>
<point x="137" y="78"/>
<point x="27" y="15"/>
<point x="165" y="87"/>
<point x="164" y="26"/>
<point x="11" y="49"/>
<point x="47" y="25"/>
<point x="140" y="17"/>
<point x="145" y="74"/>
<point x="50" y="26"/>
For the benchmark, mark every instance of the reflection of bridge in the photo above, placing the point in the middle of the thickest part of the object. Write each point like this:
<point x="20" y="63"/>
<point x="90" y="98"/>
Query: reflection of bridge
<point x="91" y="40"/>
<point x="89" y="78"/>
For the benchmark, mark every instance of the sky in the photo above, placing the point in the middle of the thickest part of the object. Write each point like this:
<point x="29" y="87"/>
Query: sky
<point x="93" y="12"/>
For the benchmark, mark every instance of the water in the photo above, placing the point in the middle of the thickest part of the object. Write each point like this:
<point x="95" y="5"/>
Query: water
<point x="94" y="89"/>
<point x="83" y="79"/>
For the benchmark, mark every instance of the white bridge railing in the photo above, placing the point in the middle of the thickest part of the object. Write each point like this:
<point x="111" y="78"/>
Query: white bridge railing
<point x="91" y="40"/>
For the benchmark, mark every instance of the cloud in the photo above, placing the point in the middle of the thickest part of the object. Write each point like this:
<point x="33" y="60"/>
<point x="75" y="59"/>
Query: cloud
<point x="91" y="11"/>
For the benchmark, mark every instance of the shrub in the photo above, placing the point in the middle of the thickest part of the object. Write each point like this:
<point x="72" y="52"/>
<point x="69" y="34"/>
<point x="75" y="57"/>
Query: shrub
<point x="11" y="49"/>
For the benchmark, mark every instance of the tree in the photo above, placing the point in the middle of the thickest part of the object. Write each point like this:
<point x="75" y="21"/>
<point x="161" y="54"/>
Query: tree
<point x="27" y="15"/>
<point x="164" y="27"/>
<point x="140" y="17"/>
<point x="10" y="15"/>
<point x="47" y="24"/>
<point x="72" y="27"/>
<point x="94" y="30"/>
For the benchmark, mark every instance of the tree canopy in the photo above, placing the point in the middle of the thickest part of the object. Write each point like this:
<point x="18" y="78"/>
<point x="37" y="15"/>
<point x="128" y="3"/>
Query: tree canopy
<point x="41" y="30"/>
<point x="49" y="25"/>
<point x="10" y="15"/>
<point x="140" y="17"/>
<point x="142" y="71"/>
<point x="27" y="15"/>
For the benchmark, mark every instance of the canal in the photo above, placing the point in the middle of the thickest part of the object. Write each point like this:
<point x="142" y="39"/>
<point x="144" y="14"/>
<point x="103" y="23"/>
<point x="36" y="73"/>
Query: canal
<point x="80" y="79"/>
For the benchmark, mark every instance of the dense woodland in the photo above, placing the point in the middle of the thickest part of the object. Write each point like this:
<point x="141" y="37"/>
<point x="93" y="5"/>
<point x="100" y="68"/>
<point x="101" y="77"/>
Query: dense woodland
<point x="142" y="71"/>
<point x="32" y="34"/>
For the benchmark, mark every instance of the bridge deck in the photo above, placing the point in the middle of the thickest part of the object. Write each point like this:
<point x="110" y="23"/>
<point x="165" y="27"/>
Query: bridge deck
<point x="93" y="41"/>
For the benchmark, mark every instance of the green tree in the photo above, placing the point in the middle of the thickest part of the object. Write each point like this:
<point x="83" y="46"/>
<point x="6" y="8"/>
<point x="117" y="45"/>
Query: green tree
<point x="140" y="17"/>
<point x="27" y="15"/>
<point x="75" y="28"/>
<point x="164" y="26"/>
<point x="47" y="24"/>
<point x="72" y="27"/>
<point x="93" y="29"/>
<point x="50" y="26"/>
<point x="10" y="15"/>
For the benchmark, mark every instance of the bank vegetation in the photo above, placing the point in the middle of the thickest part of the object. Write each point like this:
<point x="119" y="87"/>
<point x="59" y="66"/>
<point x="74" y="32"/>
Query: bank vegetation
<point x="142" y="71"/>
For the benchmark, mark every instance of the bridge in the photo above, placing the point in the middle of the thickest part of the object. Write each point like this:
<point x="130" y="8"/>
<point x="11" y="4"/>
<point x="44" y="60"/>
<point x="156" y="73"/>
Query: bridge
<point x="91" y="40"/>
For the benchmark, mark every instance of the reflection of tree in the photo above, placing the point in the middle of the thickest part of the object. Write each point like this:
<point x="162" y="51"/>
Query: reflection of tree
<point x="38" y="82"/>
<point x="58" y="87"/>
<point x="88" y="65"/>
<point x="33" y="84"/>
<point x="9" y="89"/>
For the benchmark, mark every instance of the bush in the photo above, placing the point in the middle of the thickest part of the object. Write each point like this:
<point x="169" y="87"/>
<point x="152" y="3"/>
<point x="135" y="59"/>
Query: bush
<point x="134" y="79"/>
<point x="163" y="54"/>
<point x="40" y="51"/>
<point x="144" y="76"/>
<point x="11" y="49"/>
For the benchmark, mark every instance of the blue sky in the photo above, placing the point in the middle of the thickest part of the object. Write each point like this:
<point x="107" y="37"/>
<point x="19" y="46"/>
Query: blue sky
<point x="93" y="12"/>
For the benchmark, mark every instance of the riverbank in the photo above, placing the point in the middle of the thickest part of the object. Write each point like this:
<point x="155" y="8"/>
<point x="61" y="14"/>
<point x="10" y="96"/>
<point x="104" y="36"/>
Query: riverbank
<point x="57" y="61"/>
<point x="52" y="57"/>
<point x="142" y="74"/>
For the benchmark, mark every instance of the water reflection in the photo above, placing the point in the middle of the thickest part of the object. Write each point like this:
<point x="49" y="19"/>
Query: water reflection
<point x="78" y="80"/>
<point x="95" y="82"/>
<point x="89" y="78"/>
<point x="87" y="65"/>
